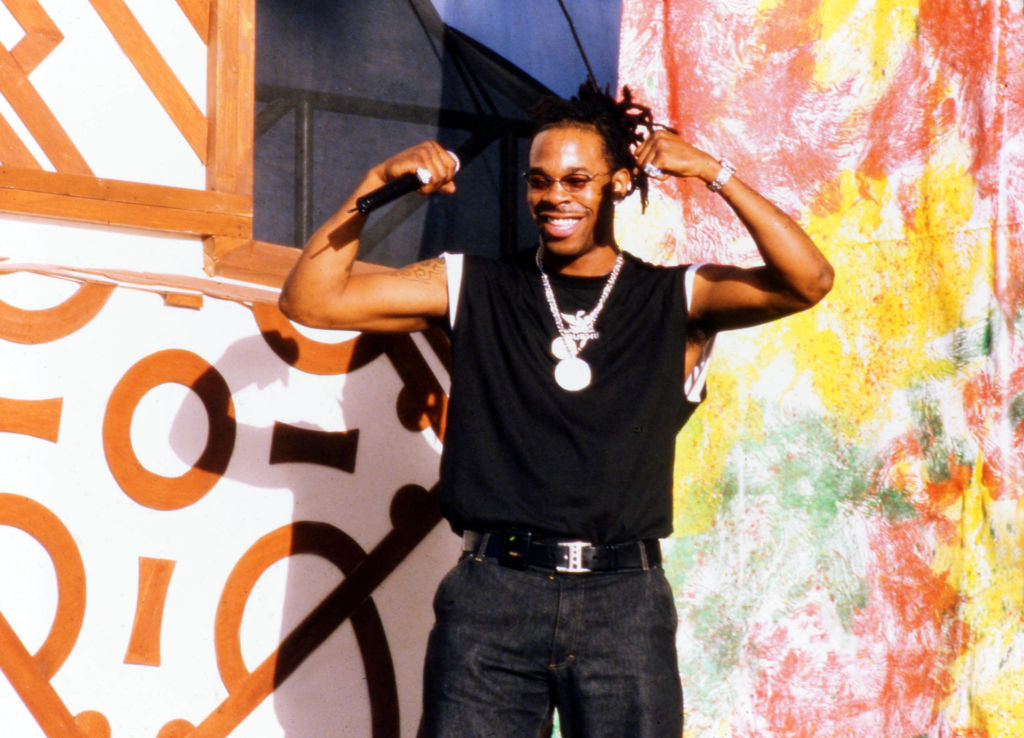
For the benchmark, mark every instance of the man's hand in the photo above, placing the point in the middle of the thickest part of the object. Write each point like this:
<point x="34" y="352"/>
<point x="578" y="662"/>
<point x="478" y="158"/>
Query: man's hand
<point x="429" y="156"/>
<point x="795" y="274"/>
<point x="672" y="155"/>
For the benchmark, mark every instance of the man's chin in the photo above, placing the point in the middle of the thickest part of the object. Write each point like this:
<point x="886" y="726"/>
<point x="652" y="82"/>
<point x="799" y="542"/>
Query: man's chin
<point x="565" y="243"/>
<point x="561" y="247"/>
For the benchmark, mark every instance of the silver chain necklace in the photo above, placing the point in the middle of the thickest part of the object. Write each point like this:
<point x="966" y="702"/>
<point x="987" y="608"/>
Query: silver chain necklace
<point x="571" y="372"/>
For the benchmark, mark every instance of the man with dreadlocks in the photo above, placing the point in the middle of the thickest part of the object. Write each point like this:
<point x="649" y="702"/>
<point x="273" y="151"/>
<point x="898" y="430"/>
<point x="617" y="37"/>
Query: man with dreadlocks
<point x="574" y="366"/>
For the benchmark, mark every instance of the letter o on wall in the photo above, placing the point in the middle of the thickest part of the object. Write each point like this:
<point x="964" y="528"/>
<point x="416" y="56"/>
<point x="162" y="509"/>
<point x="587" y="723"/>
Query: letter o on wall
<point x="146" y="487"/>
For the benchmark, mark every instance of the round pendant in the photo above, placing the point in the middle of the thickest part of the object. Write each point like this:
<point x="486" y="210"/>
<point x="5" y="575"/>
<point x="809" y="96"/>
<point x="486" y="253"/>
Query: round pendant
<point x="572" y="374"/>
<point x="563" y="348"/>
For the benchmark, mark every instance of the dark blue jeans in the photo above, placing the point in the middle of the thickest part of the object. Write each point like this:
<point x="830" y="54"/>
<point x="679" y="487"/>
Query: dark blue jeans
<point x="509" y="646"/>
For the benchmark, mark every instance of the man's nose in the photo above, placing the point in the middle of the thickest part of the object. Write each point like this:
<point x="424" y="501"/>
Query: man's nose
<point x="556" y="192"/>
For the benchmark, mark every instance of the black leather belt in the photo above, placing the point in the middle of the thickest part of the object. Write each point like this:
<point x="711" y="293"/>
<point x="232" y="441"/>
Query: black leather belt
<point x="519" y="549"/>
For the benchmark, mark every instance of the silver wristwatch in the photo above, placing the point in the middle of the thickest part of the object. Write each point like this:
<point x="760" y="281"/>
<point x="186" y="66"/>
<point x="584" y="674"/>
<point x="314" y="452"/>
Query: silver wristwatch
<point x="723" y="175"/>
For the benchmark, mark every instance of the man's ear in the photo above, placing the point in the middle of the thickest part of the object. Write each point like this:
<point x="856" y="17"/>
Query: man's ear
<point x="622" y="183"/>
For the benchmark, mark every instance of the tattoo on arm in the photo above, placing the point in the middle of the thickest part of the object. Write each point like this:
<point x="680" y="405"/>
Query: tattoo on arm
<point x="423" y="271"/>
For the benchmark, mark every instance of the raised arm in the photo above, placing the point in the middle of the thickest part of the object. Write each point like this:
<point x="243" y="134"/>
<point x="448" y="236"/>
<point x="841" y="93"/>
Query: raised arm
<point x="324" y="291"/>
<point x="795" y="274"/>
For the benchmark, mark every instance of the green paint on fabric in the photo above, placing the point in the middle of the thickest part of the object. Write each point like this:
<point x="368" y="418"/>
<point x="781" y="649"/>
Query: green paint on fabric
<point x="784" y="537"/>
<point x="891" y="502"/>
<point x="724" y="635"/>
<point x="972" y="342"/>
<point x="1016" y="410"/>
<point x="810" y="471"/>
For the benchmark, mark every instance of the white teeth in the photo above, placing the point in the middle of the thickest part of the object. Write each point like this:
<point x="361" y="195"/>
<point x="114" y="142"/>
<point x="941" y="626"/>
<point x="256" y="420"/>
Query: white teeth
<point x="562" y="221"/>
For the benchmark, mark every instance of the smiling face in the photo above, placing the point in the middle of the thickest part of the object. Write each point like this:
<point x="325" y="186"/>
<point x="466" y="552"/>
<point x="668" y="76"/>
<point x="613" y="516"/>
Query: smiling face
<point x="575" y="226"/>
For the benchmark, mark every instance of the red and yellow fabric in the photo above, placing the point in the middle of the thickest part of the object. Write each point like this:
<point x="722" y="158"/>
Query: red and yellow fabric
<point x="849" y="511"/>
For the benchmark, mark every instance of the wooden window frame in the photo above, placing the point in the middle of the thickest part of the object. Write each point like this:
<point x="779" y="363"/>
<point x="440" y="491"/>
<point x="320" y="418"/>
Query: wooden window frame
<point x="222" y="214"/>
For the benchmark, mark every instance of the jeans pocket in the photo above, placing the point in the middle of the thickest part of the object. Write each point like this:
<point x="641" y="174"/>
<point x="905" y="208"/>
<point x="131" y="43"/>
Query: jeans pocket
<point x="450" y="585"/>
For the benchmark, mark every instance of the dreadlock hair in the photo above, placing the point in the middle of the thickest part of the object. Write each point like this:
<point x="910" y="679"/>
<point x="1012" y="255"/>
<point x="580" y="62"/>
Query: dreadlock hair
<point x="619" y="123"/>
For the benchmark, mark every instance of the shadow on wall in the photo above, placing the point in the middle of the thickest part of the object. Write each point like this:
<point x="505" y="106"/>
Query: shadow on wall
<point x="335" y="664"/>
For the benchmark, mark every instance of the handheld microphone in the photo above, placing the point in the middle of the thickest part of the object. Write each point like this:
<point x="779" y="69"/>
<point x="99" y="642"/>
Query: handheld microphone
<point x="408" y="182"/>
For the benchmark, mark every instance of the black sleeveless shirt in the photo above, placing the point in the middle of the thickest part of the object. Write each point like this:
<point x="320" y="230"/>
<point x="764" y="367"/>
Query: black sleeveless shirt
<point x="522" y="452"/>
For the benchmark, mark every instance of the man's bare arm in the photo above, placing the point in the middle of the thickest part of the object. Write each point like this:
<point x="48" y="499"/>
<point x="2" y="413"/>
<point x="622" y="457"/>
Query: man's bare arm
<point x="796" y="274"/>
<point x="323" y="290"/>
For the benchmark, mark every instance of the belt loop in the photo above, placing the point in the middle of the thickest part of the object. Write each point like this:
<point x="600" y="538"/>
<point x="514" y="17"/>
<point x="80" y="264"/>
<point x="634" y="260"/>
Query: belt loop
<point x="481" y="549"/>
<point x="643" y="555"/>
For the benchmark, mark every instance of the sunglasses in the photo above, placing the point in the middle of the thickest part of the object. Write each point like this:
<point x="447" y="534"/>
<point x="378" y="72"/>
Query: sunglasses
<point x="575" y="182"/>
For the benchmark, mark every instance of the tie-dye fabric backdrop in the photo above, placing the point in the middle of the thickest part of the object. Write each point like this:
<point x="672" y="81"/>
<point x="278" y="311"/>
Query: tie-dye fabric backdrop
<point x="849" y="516"/>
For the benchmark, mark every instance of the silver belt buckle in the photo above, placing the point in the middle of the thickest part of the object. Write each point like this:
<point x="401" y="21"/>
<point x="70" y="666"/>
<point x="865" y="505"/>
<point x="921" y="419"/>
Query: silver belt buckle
<point x="574" y="554"/>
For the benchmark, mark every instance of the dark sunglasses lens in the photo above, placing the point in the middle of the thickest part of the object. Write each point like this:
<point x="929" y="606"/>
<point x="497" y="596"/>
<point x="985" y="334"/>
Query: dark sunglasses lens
<point x="575" y="182"/>
<point x="571" y="183"/>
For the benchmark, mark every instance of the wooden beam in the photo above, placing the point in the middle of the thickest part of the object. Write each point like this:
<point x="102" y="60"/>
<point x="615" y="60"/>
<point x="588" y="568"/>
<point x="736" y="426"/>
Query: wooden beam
<point x="106" y="212"/>
<point x="41" y="33"/>
<point x="198" y="14"/>
<point x="258" y="262"/>
<point x="38" y="118"/>
<point x="12" y="150"/>
<point x="130" y="204"/>
<point x="73" y="185"/>
<point x="230" y="84"/>
<point x="156" y="73"/>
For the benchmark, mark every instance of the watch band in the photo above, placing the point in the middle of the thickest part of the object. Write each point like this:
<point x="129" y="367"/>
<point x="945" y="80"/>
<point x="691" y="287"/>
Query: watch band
<point x="723" y="175"/>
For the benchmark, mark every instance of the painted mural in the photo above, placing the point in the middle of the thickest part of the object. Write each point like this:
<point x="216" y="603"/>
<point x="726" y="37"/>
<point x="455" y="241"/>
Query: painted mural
<point x="212" y="522"/>
<point x="849" y="557"/>
<point x="208" y="518"/>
